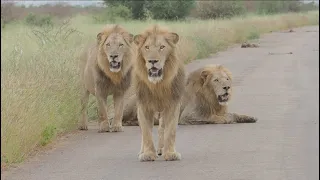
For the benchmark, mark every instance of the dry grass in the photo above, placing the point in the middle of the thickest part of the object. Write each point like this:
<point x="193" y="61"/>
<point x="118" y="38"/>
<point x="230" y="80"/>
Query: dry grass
<point x="39" y="79"/>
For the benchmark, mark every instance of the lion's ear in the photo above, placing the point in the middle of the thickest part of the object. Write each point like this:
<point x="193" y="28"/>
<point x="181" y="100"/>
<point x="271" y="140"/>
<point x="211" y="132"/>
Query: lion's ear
<point x="174" y="37"/>
<point x="137" y="39"/>
<point x="225" y="70"/>
<point x="128" y="37"/>
<point x="99" y="37"/>
<point x="204" y="75"/>
<point x="131" y="38"/>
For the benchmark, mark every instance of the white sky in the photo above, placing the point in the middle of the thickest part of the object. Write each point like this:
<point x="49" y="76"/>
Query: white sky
<point x="39" y="2"/>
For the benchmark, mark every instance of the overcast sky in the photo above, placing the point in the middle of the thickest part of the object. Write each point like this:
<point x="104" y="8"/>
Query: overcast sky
<point x="74" y="3"/>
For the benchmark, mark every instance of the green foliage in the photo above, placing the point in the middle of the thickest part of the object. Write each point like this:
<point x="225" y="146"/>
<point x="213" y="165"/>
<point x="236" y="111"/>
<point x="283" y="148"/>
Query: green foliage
<point x="114" y="13"/>
<point x="139" y="10"/>
<point x="253" y="34"/>
<point x="38" y="20"/>
<point x="170" y="10"/>
<point x="120" y="11"/>
<point x="219" y="9"/>
<point x="47" y="134"/>
<point x="165" y="9"/>
<point x="272" y="7"/>
<point x="117" y="2"/>
<point x="309" y="6"/>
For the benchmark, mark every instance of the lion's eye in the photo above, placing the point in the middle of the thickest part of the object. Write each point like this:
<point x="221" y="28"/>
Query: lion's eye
<point x="216" y="80"/>
<point x="147" y="47"/>
<point x="161" y="47"/>
<point x="120" y="45"/>
<point x="227" y="79"/>
<point x="108" y="44"/>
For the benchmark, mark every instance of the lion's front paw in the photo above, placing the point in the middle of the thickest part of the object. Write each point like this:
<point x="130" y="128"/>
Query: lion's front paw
<point x="247" y="119"/>
<point x="172" y="156"/>
<point x="230" y="122"/>
<point x="117" y="128"/>
<point x="104" y="127"/>
<point x="252" y="120"/>
<point x="83" y="127"/>
<point x="160" y="151"/>
<point x="230" y="119"/>
<point x="149" y="156"/>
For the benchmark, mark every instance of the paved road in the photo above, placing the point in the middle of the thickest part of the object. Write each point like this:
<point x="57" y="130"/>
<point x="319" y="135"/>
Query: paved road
<point x="280" y="89"/>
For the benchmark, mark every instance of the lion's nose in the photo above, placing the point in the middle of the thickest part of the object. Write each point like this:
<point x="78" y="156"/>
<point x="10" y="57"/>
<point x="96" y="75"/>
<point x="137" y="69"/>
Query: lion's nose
<point x="226" y="87"/>
<point x="113" y="56"/>
<point x="153" y="61"/>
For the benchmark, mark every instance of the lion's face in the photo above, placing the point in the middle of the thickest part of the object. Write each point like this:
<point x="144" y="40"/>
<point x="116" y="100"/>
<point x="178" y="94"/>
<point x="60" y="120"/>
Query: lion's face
<point x="115" y="47"/>
<point x="219" y="80"/>
<point x="155" y="50"/>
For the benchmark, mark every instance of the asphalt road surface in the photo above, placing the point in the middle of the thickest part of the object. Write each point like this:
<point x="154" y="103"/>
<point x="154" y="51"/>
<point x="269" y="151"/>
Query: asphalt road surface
<point x="278" y="87"/>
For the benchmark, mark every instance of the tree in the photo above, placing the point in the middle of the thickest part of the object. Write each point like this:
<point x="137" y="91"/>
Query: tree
<point x="168" y="9"/>
<point x="165" y="9"/>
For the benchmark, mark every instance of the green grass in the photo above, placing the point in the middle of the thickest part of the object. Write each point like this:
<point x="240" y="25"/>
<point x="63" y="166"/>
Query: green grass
<point x="39" y="69"/>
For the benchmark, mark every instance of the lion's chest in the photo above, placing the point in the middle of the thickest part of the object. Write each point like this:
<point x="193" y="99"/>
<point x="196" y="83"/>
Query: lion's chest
<point x="118" y="85"/>
<point x="155" y="100"/>
<point x="158" y="98"/>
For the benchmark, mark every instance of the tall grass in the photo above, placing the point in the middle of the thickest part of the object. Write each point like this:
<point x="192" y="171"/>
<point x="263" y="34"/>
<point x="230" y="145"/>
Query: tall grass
<point x="39" y="69"/>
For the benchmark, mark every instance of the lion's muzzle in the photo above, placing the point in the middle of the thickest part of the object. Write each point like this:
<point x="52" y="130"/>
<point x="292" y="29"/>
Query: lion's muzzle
<point x="223" y="98"/>
<point x="155" y="72"/>
<point x="114" y="65"/>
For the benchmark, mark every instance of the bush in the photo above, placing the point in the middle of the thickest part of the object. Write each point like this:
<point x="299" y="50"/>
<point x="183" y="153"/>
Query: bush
<point x="170" y="10"/>
<point x="37" y="20"/>
<point x="272" y="7"/>
<point x="309" y="6"/>
<point x="165" y="9"/>
<point x="119" y="11"/>
<point x="219" y="9"/>
<point x="6" y="13"/>
<point x="114" y="13"/>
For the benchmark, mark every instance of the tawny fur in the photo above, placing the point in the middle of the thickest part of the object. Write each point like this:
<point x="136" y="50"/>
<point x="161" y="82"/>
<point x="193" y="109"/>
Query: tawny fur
<point x="158" y="99"/>
<point x="199" y="103"/>
<point x="97" y="78"/>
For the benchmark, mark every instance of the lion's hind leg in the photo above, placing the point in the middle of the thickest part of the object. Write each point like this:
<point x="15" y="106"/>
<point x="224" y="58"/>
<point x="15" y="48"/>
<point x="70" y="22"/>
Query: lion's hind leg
<point x="83" y="123"/>
<point x="130" y="112"/>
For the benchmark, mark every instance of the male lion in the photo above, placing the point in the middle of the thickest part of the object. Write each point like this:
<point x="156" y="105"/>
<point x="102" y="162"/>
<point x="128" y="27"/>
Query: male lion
<point x="158" y="81"/>
<point x="208" y="91"/>
<point x="106" y="70"/>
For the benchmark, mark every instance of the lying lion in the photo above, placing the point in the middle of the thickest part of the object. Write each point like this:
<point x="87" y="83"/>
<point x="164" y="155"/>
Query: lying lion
<point x="208" y="91"/>
<point x="106" y="70"/>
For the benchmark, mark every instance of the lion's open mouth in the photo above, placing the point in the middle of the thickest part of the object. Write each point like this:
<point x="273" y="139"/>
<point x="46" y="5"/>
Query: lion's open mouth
<point x="223" y="98"/>
<point x="115" y="65"/>
<point x="155" y="72"/>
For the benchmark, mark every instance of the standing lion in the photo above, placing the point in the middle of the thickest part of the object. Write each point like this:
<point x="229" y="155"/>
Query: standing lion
<point x="106" y="70"/>
<point x="158" y="81"/>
